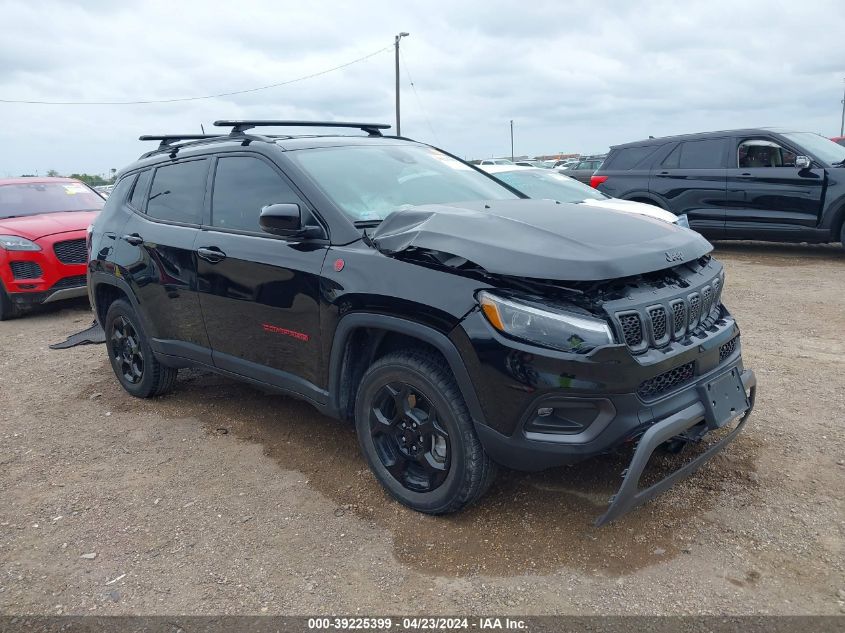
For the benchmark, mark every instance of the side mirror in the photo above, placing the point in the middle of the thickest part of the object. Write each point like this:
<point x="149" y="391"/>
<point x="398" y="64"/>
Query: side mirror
<point x="281" y="219"/>
<point x="803" y="162"/>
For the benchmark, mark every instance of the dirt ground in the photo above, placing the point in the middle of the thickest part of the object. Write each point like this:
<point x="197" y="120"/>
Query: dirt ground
<point x="220" y="499"/>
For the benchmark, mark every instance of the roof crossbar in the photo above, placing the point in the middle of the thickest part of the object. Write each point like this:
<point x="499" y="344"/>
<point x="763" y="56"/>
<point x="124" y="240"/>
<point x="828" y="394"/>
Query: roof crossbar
<point x="238" y="127"/>
<point x="168" y="139"/>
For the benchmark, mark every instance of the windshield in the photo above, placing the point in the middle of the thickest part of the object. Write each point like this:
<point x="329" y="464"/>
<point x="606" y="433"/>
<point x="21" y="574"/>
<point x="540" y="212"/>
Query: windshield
<point x="32" y="198"/>
<point x="370" y="182"/>
<point x="545" y="184"/>
<point x="822" y="148"/>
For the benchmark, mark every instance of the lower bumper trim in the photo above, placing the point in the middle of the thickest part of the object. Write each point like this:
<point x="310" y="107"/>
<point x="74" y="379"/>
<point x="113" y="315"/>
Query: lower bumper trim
<point x="629" y="496"/>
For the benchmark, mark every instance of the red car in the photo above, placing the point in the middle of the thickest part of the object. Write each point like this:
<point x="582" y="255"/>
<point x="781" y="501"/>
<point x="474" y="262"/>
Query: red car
<point x="839" y="139"/>
<point x="43" y="224"/>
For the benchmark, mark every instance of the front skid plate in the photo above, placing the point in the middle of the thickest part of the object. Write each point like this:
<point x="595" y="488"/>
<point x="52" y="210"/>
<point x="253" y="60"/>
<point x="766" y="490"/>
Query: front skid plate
<point x="629" y="496"/>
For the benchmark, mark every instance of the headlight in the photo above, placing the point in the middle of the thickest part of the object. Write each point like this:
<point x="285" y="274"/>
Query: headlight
<point x="682" y="221"/>
<point x="550" y="328"/>
<point x="15" y="243"/>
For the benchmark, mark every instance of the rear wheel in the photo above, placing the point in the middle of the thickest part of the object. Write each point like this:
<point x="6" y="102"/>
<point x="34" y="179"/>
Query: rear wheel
<point x="131" y="357"/>
<point x="8" y="309"/>
<point x="416" y="433"/>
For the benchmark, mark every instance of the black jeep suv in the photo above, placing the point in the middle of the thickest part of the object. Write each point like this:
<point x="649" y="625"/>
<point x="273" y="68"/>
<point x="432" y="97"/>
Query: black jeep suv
<point x="756" y="184"/>
<point x="458" y="324"/>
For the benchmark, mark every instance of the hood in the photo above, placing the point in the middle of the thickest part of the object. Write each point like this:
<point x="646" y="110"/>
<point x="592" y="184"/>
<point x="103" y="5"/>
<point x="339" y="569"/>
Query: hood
<point x="633" y="207"/>
<point x="542" y="239"/>
<point x="33" y="227"/>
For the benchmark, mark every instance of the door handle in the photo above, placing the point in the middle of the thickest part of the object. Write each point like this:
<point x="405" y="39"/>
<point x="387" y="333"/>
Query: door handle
<point x="211" y="254"/>
<point x="663" y="173"/>
<point x="746" y="175"/>
<point x="133" y="238"/>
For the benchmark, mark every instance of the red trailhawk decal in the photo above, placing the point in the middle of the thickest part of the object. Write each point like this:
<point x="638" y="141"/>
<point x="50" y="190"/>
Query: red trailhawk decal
<point x="274" y="329"/>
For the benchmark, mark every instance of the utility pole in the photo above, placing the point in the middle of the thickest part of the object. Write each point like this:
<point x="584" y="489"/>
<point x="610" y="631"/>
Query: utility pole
<point x="511" y="140"/>
<point x="842" y="123"/>
<point x="396" y="44"/>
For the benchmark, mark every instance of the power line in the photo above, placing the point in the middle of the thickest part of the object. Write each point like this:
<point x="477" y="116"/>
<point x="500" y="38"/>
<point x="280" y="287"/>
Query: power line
<point x="419" y="102"/>
<point x="214" y="96"/>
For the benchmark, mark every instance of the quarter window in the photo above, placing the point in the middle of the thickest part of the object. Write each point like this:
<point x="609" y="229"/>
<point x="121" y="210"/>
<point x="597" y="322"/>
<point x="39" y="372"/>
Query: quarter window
<point x="242" y="187"/>
<point x="754" y="153"/>
<point x="178" y="191"/>
<point x="140" y="189"/>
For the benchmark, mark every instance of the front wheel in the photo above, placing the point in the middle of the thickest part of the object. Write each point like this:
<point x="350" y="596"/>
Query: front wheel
<point x="417" y="435"/>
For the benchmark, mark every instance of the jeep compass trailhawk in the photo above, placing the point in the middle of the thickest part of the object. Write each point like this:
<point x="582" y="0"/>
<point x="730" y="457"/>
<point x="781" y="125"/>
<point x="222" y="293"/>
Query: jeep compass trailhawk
<point x="457" y="323"/>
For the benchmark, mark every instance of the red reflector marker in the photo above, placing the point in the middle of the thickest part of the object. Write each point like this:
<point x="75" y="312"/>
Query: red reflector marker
<point x="595" y="181"/>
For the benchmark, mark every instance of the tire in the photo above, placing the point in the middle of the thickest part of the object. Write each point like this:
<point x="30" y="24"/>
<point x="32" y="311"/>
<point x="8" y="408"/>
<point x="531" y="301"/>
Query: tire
<point x="437" y="466"/>
<point x="131" y="356"/>
<point x="842" y="235"/>
<point x="8" y="310"/>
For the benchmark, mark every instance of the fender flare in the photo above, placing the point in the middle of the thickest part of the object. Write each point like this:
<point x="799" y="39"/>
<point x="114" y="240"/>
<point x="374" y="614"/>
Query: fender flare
<point x="99" y="278"/>
<point x="348" y="324"/>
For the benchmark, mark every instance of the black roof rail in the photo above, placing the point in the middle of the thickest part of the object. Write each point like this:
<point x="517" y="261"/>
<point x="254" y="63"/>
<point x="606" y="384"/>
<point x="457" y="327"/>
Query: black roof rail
<point x="238" y="127"/>
<point x="168" y="139"/>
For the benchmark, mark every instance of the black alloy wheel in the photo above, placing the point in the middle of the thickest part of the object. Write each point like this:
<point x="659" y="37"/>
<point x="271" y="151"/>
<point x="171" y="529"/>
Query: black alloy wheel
<point x="126" y="350"/>
<point x="417" y="435"/>
<point x="409" y="440"/>
<point x="137" y="369"/>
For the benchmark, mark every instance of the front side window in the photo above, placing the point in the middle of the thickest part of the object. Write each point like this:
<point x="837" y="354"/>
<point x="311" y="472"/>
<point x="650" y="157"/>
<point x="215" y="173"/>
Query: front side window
<point x="32" y="198"/>
<point x="242" y="187"/>
<point x="370" y="182"/>
<point x="178" y="191"/>
<point x="755" y="152"/>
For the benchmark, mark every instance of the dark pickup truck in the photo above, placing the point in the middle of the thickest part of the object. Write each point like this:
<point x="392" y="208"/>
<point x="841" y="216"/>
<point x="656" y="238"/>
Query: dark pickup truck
<point x="760" y="184"/>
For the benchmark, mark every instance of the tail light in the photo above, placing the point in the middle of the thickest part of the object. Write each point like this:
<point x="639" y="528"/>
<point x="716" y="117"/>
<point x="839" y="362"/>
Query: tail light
<point x="595" y="181"/>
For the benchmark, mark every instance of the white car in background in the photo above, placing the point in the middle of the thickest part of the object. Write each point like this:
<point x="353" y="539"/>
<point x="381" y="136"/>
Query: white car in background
<point x="543" y="183"/>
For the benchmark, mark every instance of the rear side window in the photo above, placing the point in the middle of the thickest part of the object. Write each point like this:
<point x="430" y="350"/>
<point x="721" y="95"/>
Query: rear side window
<point x="139" y="191"/>
<point x="629" y="157"/>
<point x="242" y="187"/>
<point x="704" y="154"/>
<point x="178" y="191"/>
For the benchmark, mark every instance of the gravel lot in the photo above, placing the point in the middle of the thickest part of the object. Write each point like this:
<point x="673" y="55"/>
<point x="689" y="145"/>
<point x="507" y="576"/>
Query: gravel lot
<point x="222" y="499"/>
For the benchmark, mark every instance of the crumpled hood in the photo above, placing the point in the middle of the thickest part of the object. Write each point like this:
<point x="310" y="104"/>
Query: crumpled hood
<point x="542" y="239"/>
<point x="33" y="227"/>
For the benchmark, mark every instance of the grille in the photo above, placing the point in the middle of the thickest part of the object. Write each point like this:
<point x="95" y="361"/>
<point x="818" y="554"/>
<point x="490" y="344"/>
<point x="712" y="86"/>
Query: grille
<point x="71" y="251"/>
<point x="70" y="282"/>
<point x="679" y="316"/>
<point x="694" y="310"/>
<point x="25" y="270"/>
<point x="658" y="322"/>
<point x="707" y="300"/>
<point x="632" y="329"/>
<point x="666" y="381"/>
<point x="728" y="348"/>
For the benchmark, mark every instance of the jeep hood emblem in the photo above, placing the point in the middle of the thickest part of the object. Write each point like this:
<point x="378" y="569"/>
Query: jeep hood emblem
<point x="674" y="256"/>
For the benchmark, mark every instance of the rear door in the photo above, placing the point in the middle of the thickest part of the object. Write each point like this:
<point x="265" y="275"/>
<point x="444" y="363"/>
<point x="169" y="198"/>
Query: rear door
<point x="691" y="180"/>
<point x="259" y="293"/>
<point x="156" y="248"/>
<point x="767" y="195"/>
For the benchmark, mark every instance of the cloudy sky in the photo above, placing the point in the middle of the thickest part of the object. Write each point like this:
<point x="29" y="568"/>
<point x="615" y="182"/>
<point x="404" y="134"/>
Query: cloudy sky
<point x="574" y="76"/>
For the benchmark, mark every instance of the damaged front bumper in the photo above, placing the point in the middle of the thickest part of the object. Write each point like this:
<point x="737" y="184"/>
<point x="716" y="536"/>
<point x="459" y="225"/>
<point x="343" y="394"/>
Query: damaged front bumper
<point x="629" y="495"/>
